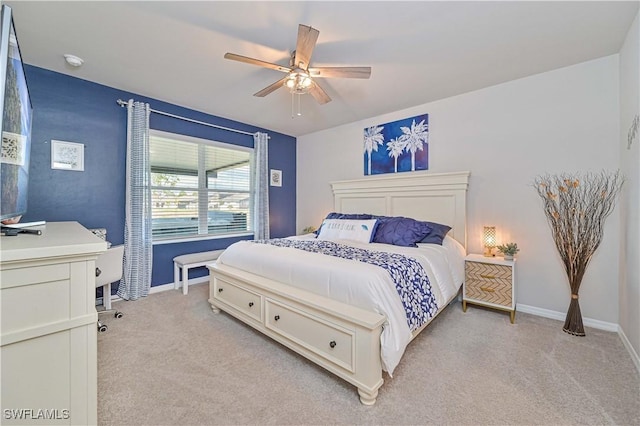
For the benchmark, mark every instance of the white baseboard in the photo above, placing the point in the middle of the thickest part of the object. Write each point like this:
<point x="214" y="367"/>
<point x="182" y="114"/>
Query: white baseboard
<point x="632" y="352"/>
<point x="560" y="316"/>
<point x="160" y="288"/>
<point x="589" y="322"/>
<point x="169" y="286"/>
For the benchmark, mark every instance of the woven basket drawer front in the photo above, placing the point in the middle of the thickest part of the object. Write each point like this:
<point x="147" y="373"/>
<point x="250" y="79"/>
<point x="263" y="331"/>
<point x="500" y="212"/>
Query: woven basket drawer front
<point x="489" y="283"/>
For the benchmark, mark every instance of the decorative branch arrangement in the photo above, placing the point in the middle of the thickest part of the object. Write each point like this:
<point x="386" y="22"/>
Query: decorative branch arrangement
<point x="576" y="207"/>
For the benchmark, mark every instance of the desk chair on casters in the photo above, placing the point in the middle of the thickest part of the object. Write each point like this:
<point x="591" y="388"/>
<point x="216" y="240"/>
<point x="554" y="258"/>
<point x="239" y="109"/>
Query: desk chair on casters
<point x="108" y="270"/>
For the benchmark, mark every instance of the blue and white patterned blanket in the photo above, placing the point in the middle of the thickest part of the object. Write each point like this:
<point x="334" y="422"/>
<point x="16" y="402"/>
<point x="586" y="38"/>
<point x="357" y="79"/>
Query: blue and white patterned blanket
<point x="408" y="275"/>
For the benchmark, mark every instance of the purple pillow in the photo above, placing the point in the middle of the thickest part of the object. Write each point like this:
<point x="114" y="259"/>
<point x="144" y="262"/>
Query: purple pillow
<point x="400" y="231"/>
<point x="437" y="233"/>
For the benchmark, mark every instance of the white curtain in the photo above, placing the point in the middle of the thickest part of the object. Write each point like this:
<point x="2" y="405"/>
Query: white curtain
<point x="260" y="186"/>
<point x="138" y="249"/>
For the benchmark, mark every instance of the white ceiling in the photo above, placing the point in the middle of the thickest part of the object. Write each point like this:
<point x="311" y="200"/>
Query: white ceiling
<point x="419" y="51"/>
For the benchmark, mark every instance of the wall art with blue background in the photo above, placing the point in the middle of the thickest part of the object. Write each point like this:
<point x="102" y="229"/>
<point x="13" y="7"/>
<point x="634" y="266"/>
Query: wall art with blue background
<point x="399" y="146"/>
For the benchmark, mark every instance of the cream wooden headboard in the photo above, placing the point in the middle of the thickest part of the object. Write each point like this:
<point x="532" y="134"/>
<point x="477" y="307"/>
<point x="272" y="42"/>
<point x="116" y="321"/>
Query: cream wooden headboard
<point x="436" y="197"/>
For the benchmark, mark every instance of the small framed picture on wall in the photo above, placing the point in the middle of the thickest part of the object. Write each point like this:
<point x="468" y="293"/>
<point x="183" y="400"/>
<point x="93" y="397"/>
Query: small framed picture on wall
<point x="276" y="177"/>
<point x="67" y="156"/>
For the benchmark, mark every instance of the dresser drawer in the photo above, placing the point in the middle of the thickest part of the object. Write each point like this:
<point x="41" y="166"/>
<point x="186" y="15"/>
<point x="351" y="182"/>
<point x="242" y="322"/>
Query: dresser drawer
<point x="324" y="338"/>
<point x="34" y="275"/>
<point x="239" y="298"/>
<point x="489" y="283"/>
<point x="38" y="300"/>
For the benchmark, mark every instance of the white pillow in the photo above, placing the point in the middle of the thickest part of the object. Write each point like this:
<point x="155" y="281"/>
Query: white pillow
<point x="348" y="229"/>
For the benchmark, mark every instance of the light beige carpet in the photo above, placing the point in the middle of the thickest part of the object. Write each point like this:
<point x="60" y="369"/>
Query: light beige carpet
<point x="171" y="361"/>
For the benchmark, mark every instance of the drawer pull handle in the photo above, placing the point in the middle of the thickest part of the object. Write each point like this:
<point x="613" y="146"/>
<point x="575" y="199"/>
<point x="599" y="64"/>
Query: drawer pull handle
<point x="277" y="317"/>
<point x="489" y="277"/>
<point x="332" y="344"/>
<point x="220" y="290"/>
<point x="488" y="289"/>
<point x="250" y="304"/>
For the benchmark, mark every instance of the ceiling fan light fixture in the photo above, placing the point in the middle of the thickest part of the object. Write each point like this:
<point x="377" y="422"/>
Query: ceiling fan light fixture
<point x="298" y="82"/>
<point x="290" y="83"/>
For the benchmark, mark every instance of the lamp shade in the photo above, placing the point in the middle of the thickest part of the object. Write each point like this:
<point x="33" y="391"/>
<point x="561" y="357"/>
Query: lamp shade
<point x="489" y="239"/>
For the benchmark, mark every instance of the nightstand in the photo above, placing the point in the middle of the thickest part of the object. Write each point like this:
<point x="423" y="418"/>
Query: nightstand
<point x="490" y="282"/>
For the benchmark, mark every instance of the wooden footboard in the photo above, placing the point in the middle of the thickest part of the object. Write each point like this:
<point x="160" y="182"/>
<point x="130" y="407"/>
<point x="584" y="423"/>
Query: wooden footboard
<point x="343" y="339"/>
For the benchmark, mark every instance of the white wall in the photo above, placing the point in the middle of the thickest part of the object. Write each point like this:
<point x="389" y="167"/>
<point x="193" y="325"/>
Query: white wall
<point x="563" y="120"/>
<point x="630" y="203"/>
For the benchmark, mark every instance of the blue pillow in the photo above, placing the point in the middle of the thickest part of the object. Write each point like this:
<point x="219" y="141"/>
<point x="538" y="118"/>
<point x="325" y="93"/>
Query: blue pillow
<point x="358" y="216"/>
<point x="437" y="233"/>
<point x="400" y="231"/>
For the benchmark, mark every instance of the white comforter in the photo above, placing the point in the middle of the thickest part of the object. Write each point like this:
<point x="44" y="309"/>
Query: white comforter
<point x="356" y="283"/>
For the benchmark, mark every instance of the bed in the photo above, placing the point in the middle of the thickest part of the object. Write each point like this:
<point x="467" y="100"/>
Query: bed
<point x="302" y="298"/>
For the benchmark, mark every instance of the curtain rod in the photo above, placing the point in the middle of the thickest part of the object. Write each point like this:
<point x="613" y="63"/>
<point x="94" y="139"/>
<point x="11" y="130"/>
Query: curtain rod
<point x="124" y="103"/>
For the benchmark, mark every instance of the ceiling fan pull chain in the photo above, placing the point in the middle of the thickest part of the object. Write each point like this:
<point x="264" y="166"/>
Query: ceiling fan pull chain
<point x="293" y="113"/>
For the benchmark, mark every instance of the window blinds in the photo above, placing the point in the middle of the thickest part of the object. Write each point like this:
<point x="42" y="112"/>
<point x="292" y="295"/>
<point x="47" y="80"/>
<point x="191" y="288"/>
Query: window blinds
<point x="198" y="187"/>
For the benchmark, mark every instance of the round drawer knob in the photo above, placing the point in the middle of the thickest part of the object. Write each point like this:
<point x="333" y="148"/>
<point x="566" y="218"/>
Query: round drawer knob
<point x="250" y="304"/>
<point x="277" y="317"/>
<point x="220" y="290"/>
<point x="332" y="344"/>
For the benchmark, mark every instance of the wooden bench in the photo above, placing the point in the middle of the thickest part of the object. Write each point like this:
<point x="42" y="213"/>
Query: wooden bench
<point x="188" y="261"/>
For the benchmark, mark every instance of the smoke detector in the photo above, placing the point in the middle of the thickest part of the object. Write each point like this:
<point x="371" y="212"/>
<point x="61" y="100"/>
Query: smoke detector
<point x="73" y="60"/>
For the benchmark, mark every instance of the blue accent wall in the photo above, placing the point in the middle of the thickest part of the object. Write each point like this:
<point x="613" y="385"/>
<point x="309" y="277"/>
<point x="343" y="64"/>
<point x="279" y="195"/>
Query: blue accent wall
<point x="74" y="110"/>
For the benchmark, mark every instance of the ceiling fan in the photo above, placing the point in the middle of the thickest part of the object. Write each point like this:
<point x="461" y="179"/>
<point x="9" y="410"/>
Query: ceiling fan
<point x="299" y="78"/>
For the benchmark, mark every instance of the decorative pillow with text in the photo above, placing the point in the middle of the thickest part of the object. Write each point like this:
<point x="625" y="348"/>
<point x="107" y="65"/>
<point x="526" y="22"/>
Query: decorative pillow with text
<point x="348" y="229"/>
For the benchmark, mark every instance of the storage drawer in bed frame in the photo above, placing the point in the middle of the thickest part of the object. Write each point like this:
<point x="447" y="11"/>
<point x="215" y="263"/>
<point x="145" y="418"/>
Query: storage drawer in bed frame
<point x="244" y="301"/>
<point x="343" y="339"/>
<point x="329" y="340"/>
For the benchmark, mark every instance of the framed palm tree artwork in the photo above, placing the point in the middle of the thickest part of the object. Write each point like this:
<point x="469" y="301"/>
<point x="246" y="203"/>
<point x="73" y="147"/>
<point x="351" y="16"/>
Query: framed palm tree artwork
<point x="398" y="146"/>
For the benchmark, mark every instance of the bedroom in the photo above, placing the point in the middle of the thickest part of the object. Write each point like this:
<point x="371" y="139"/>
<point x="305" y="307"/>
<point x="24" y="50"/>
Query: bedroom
<point x="571" y="118"/>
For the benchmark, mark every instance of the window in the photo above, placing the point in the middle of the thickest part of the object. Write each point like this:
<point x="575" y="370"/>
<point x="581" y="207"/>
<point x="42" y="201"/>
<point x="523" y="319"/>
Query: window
<point x="198" y="187"/>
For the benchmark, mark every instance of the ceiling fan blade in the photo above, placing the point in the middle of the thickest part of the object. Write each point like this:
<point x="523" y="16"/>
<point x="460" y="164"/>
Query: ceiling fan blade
<point x="340" y="72"/>
<point x="307" y="38"/>
<point x="271" y="88"/>
<point x="257" y="62"/>
<point x="319" y="94"/>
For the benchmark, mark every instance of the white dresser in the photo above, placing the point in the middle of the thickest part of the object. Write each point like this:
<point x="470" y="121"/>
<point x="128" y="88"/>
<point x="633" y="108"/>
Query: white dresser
<point x="48" y="341"/>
